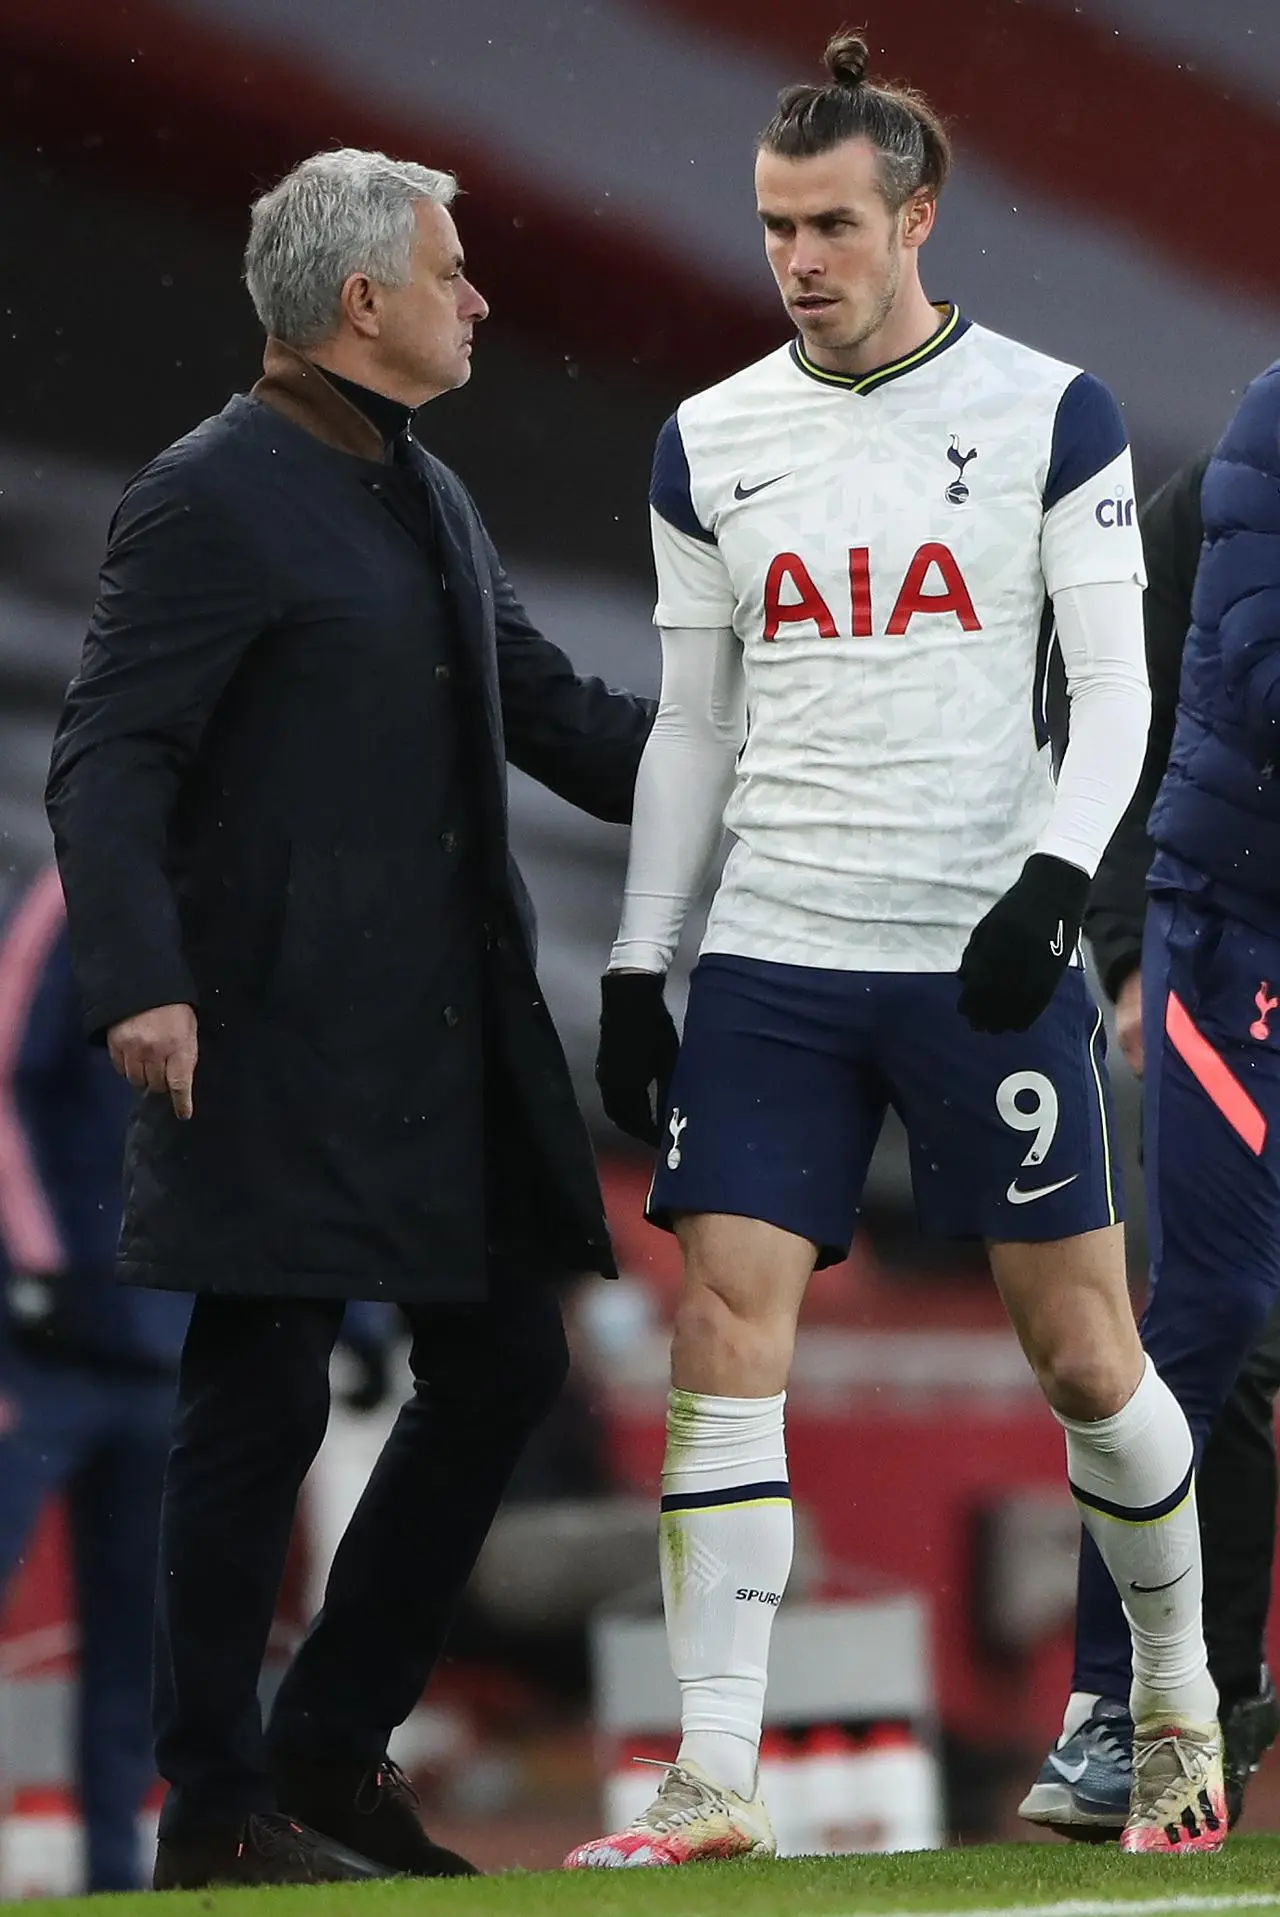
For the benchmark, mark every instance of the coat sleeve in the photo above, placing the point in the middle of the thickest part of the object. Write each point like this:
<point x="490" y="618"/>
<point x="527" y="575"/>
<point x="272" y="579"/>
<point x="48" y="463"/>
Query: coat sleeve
<point x="1172" y="532"/>
<point x="178" y="605"/>
<point x="577" y="736"/>
<point x="1244" y="522"/>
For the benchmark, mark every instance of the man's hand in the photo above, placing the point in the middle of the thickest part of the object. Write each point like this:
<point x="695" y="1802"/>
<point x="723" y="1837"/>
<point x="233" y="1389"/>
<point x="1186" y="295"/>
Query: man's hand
<point x="1129" y="1021"/>
<point x="156" y="1051"/>
<point x="637" y="1055"/>
<point x="1017" y="954"/>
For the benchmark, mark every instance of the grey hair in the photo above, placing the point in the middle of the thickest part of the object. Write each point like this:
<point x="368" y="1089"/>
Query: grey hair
<point x="337" y="213"/>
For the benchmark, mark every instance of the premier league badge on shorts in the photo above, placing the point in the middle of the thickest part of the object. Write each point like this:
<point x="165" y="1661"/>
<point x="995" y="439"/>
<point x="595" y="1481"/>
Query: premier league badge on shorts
<point x="675" y="1125"/>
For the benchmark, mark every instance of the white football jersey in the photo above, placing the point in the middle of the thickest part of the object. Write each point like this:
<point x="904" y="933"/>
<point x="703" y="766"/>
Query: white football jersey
<point x="886" y="549"/>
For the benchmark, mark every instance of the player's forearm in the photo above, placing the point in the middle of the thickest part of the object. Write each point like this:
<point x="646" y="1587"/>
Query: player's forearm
<point x="686" y="775"/>
<point x="1100" y="632"/>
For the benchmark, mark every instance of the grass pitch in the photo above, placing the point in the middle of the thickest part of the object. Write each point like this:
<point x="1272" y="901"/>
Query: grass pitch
<point x="1006" y="1880"/>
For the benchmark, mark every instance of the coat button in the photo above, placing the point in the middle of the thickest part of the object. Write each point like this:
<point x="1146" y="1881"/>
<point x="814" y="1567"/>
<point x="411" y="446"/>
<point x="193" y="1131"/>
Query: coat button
<point x="449" y="841"/>
<point x="451" y="1016"/>
<point x="443" y="674"/>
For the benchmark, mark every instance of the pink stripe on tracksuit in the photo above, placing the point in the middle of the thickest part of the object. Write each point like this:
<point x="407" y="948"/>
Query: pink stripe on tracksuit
<point x="28" y="1229"/>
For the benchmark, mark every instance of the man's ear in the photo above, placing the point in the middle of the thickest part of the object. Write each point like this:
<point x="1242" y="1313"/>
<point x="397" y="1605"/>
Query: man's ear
<point x="918" y="216"/>
<point x="360" y="303"/>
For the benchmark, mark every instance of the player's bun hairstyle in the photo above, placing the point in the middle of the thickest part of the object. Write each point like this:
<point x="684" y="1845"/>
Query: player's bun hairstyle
<point x="915" y="153"/>
<point x="847" y="58"/>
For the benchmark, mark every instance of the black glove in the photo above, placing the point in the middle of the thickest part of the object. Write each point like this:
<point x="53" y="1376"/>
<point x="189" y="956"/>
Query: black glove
<point x="638" y="1046"/>
<point x="1019" y="951"/>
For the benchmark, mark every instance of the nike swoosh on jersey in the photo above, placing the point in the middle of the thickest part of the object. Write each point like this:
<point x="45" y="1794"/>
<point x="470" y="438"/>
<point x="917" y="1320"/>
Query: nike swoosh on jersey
<point x="1071" y="1772"/>
<point x="1017" y="1197"/>
<point x="1149" y="1589"/>
<point x="745" y="492"/>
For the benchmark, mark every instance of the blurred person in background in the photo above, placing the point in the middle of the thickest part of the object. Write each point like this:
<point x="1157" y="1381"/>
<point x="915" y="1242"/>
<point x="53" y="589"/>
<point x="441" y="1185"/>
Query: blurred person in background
<point x="1083" y="1786"/>
<point x="88" y="1366"/>
<point x="897" y="922"/>
<point x="278" y="794"/>
<point x="87" y="1369"/>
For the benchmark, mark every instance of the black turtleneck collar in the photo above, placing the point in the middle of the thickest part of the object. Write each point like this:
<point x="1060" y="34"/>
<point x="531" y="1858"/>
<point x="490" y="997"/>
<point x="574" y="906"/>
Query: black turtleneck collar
<point x="390" y="417"/>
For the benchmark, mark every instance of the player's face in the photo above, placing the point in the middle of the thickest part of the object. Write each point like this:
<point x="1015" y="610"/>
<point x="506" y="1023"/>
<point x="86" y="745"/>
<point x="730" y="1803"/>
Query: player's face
<point x="423" y="331"/>
<point x="836" y="250"/>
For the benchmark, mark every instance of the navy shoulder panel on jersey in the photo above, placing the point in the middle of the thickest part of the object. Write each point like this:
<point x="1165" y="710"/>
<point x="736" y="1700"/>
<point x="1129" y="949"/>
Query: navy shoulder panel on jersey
<point x="1088" y="432"/>
<point x="669" y="493"/>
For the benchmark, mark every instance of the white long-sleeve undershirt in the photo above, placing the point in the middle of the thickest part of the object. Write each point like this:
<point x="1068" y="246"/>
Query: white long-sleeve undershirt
<point x="683" y="785"/>
<point x="1103" y="650"/>
<point x="687" y="770"/>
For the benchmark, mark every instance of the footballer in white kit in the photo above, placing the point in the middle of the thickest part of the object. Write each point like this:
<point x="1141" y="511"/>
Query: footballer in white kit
<point x="877" y="562"/>
<point x="869" y="547"/>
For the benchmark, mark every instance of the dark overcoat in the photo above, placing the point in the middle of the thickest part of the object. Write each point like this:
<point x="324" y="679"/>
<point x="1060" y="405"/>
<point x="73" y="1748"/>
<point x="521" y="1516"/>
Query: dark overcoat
<point x="278" y="793"/>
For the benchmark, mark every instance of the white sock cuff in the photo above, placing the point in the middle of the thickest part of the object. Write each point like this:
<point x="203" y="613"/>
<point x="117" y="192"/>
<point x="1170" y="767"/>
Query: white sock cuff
<point x="702" y="1404"/>
<point x="1150" y="1399"/>
<point x="714" y="1443"/>
<point x="1139" y="1457"/>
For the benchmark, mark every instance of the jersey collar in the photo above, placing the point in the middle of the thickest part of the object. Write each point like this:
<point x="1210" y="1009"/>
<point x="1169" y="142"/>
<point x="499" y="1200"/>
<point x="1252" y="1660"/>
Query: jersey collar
<point x="953" y="325"/>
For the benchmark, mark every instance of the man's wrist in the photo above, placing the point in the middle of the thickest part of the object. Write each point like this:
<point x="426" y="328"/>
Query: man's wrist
<point x="1119" y="970"/>
<point x="641" y="955"/>
<point x="1046" y="871"/>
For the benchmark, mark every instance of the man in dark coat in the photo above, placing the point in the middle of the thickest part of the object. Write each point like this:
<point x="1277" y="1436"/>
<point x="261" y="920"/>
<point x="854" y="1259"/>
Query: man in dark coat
<point x="279" y="798"/>
<point x="1237" y="1476"/>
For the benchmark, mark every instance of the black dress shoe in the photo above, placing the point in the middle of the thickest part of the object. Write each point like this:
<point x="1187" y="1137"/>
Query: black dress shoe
<point x="264" y="1849"/>
<point x="1249" y="1728"/>
<point x="373" y="1808"/>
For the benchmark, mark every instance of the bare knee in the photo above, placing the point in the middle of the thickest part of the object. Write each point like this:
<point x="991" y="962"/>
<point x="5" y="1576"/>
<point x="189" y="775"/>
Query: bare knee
<point x="1069" y="1305"/>
<point x="736" y="1322"/>
<point x="719" y="1348"/>
<point x="1084" y="1380"/>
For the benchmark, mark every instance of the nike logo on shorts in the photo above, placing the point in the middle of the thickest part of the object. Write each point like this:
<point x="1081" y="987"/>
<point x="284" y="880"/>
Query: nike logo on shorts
<point x="1057" y="941"/>
<point x="1071" y="1772"/>
<point x="1017" y="1197"/>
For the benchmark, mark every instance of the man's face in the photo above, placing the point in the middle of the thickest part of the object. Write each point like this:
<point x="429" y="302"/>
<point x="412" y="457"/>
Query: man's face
<point x="836" y="250"/>
<point x="425" y="327"/>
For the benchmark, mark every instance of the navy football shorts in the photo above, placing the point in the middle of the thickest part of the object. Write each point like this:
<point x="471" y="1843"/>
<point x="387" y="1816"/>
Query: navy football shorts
<point x="786" y="1073"/>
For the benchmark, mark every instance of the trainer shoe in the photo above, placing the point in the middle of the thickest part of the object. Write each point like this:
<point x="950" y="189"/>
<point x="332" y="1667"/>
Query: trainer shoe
<point x="1179" y="1799"/>
<point x="1249" y="1728"/>
<point x="690" y="1821"/>
<point x="1085" y="1782"/>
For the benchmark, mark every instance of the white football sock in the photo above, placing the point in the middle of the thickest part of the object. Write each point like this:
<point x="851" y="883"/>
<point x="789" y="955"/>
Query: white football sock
<point x="1080" y="1707"/>
<point x="726" y="1540"/>
<point x="1133" y="1479"/>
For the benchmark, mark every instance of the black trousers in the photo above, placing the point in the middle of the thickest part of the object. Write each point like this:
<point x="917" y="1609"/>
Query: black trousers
<point x="1237" y="1491"/>
<point x="253" y="1404"/>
